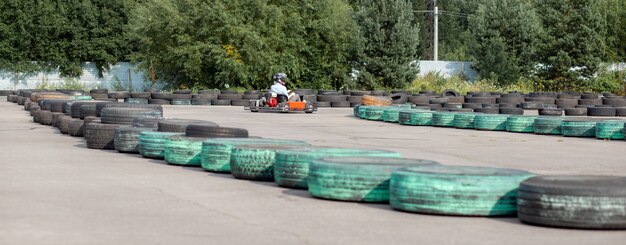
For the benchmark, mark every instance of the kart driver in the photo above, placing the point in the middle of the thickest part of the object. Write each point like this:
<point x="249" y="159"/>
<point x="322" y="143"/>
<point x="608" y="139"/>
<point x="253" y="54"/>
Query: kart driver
<point x="280" y="89"/>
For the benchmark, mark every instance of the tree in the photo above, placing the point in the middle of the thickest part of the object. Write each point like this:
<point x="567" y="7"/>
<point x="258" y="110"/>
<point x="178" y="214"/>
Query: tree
<point x="573" y="43"/>
<point x="241" y="43"/>
<point x="44" y="35"/>
<point x="616" y="33"/>
<point x="506" y="36"/>
<point x="388" y="45"/>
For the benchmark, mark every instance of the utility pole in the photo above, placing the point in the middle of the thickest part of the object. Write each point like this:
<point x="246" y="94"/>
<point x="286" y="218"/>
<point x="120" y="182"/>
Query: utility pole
<point x="436" y="32"/>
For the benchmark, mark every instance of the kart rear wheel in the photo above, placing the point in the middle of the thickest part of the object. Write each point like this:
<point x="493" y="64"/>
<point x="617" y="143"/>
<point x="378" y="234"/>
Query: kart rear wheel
<point x="309" y="108"/>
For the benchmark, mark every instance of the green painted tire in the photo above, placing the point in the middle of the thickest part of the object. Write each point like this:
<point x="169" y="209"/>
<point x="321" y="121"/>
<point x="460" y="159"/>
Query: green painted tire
<point x="183" y="150"/>
<point x="362" y="111"/>
<point x="456" y="190"/>
<point x="583" y="202"/>
<point x="291" y="168"/>
<point x="127" y="139"/>
<point x="355" y="110"/>
<point x="359" y="179"/>
<point x="255" y="162"/>
<point x="407" y="117"/>
<point x="216" y="152"/>
<point x="464" y="120"/>
<point x="375" y="113"/>
<point x="579" y="127"/>
<point x="548" y="125"/>
<point x="610" y="129"/>
<point x="493" y="122"/>
<point x="392" y="114"/>
<point x="152" y="144"/>
<point x="443" y="119"/>
<point x="421" y="118"/>
<point x="521" y="124"/>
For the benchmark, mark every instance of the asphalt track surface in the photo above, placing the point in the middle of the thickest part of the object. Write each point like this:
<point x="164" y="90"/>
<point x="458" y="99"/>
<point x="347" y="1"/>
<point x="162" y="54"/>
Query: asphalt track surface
<point x="53" y="190"/>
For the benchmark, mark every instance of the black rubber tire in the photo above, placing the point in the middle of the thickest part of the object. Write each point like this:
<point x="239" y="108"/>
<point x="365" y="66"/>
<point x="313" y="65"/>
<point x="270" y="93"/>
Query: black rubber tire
<point x="101" y="105"/>
<point x="342" y="104"/>
<point x="126" y="115"/>
<point x="136" y="101"/>
<point x="181" y="97"/>
<point x="180" y="125"/>
<point x="551" y="112"/>
<point x="240" y="102"/>
<point x="76" y="128"/>
<point x="601" y="111"/>
<point x="517" y="100"/>
<point x="583" y="202"/>
<point x="180" y="102"/>
<point x="575" y="111"/>
<point x="590" y="102"/>
<point x="220" y="102"/>
<point x="509" y="106"/>
<point x="615" y="102"/>
<point x="399" y="98"/>
<point x="360" y="179"/>
<point x="230" y="96"/>
<point x="87" y="111"/>
<point x="182" y="91"/>
<point x="542" y="100"/>
<point x="488" y="110"/>
<point x="512" y="111"/>
<point x="354" y="99"/>
<point x="141" y="95"/>
<point x="456" y="190"/>
<point x="566" y="103"/>
<point x="208" y="91"/>
<point x="119" y="95"/>
<point x="158" y="102"/>
<point x="304" y="91"/>
<point x="441" y="100"/>
<point x="322" y="104"/>
<point x="204" y="96"/>
<point x="206" y="131"/>
<point x="63" y="122"/>
<point x="331" y="98"/>
<point x="75" y="107"/>
<point x="481" y="100"/>
<point x="590" y="96"/>
<point x="251" y="96"/>
<point x="126" y="139"/>
<point x="200" y="101"/>
<point x="472" y="105"/>
<point x="620" y="111"/>
<point x="451" y="93"/>
<point x="229" y="92"/>
<point x="124" y="105"/>
<point x="147" y="122"/>
<point x="532" y="105"/>
<point x="160" y="95"/>
<point x="45" y="117"/>
<point x="99" y="91"/>
<point x="100" y="136"/>
<point x="55" y="118"/>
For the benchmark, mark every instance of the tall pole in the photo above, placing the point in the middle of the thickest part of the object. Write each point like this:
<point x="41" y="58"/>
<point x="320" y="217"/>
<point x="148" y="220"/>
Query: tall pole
<point x="436" y="33"/>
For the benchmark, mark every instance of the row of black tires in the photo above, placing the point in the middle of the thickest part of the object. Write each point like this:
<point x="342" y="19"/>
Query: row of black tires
<point x="410" y="185"/>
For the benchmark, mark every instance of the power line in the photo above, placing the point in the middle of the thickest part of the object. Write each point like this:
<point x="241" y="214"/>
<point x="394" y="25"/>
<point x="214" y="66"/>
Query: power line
<point x="466" y="2"/>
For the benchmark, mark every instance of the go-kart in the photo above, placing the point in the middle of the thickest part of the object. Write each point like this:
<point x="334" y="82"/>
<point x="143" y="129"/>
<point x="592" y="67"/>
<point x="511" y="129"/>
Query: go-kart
<point x="272" y="102"/>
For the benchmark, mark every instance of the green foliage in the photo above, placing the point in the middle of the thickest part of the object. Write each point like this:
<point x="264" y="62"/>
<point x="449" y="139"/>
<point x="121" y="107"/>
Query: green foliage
<point x="241" y="43"/>
<point x="388" y="45"/>
<point x="43" y="35"/>
<point x="436" y="82"/>
<point x="66" y="83"/>
<point x="506" y="34"/>
<point x="574" y="41"/>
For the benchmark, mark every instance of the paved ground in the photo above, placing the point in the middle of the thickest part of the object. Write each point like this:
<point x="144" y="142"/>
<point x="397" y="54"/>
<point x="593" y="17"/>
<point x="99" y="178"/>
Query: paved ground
<point x="53" y="190"/>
